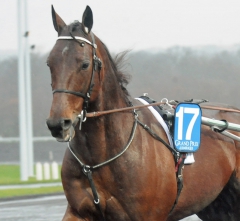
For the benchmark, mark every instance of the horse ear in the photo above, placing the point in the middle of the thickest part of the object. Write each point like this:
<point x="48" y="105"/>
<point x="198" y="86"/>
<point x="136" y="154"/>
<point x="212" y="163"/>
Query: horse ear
<point x="57" y="21"/>
<point x="87" y="20"/>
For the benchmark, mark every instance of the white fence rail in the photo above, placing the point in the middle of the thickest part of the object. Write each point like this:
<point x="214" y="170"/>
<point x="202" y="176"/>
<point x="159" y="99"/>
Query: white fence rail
<point x="17" y="139"/>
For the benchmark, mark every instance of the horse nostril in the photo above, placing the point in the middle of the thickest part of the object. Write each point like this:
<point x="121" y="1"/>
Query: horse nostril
<point x="58" y="125"/>
<point x="53" y="124"/>
<point x="66" y="124"/>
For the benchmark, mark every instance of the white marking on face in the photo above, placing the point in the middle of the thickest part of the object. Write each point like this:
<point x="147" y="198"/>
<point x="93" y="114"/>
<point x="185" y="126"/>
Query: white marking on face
<point x="65" y="50"/>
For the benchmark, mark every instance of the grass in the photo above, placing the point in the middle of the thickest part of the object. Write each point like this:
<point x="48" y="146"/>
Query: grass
<point x="10" y="175"/>
<point x="31" y="191"/>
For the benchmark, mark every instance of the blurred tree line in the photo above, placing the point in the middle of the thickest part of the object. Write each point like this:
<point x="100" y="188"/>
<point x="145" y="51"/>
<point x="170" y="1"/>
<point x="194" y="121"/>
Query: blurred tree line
<point x="177" y="73"/>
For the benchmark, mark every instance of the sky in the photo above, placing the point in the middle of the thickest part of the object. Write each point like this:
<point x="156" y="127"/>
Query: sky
<point x="129" y="24"/>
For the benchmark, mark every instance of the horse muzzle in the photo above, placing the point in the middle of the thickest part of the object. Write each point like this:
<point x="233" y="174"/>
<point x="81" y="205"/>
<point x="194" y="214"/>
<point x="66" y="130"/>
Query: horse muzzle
<point x="61" y="129"/>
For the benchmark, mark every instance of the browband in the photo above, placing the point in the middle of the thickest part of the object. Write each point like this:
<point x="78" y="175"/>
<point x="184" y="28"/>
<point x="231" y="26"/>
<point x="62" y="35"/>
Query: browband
<point x="78" y="38"/>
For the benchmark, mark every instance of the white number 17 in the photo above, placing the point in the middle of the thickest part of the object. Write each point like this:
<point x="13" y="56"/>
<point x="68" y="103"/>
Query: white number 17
<point x="180" y="116"/>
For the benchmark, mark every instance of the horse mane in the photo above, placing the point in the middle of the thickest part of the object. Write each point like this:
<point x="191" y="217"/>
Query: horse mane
<point x="118" y="64"/>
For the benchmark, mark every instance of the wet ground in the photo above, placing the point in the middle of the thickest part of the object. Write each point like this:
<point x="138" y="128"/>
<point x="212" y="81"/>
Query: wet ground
<point x="45" y="208"/>
<point x="35" y="209"/>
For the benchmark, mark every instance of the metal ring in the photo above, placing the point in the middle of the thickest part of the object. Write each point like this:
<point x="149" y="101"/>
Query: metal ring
<point x="97" y="202"/>
<point x="165" y="100"/>
<point x="86" y="169"/>
<point x="135" y="113"/>
<point x="81" y="115"/>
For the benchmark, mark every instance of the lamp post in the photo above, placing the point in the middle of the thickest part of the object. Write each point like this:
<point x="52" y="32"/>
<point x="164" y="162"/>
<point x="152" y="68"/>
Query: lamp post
<point x="22" y="98"/>
<point x="28" y="94"/>
<point x="25" y="94"/>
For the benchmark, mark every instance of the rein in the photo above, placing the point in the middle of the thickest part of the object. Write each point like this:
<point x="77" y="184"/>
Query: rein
<point x="221" y="109"/>
<point x="100" y="113"/>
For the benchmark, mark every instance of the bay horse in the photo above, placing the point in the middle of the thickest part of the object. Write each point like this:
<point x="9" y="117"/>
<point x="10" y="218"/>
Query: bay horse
<point x="114" y="169"/>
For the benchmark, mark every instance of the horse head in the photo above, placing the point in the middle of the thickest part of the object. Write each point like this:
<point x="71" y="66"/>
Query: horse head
<point x="73" y="62"/>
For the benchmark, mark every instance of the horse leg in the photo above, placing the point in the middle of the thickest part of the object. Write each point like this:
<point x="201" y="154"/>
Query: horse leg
<point x="236" y="210"/>
<point x="71" y="215"/>
<point x="227" y="205"/>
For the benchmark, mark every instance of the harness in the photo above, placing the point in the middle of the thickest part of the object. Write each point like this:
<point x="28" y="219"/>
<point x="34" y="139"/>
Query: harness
<point x="86" y="169"/>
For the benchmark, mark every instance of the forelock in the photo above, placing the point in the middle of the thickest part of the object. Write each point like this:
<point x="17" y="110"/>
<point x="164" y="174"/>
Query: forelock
<point x="76" y="27"/>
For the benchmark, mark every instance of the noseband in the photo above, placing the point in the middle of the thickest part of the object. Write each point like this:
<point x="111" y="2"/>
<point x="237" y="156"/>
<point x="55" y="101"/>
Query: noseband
<point x="97" y="65"/>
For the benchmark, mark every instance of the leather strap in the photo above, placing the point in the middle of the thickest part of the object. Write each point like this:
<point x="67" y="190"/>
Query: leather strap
<point x="100" y="113"/>
<point x="79" y="94"/>
<point x="87" y="171"/>
<point x="77" y="38"/>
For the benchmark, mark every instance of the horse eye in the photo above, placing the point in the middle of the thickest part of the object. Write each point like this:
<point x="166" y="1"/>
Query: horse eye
<point x="85" y="66"/>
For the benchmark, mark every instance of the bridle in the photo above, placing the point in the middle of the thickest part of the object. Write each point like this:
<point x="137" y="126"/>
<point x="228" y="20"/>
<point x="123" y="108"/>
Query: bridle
<point x="97" y="65"/>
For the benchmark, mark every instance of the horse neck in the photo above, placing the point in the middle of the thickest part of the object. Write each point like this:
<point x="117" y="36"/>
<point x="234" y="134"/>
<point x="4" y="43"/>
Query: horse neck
<point x="112" y="95"/>
<point x="104" y="137"/>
